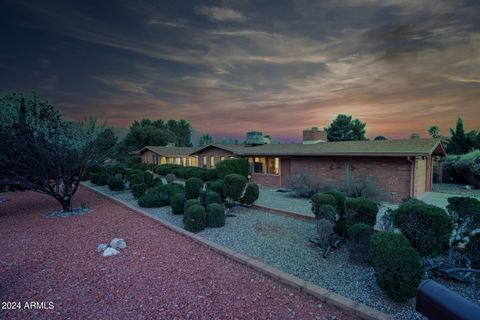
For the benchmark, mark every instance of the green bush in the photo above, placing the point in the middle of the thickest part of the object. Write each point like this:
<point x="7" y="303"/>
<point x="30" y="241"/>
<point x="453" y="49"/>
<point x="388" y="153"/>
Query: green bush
<point x="114" y="169"/>
<point x="397" y="265"/>
<point x="136" y="178"/>
<point x="148" y="178"/>
<point x="360" y="236"/>
<point x="468" y="166"/>
<point x="464" y="207"/>
<point x="216" y="186"/>
<point x="142" y="166"/>
<point x="340" y="198"/>
<point x="215" y="215"/>
<point x="190" y="202"/>
<point x="170" y="178"/>
<point x="327" y="212"/>
<point x="361" y="210"/>
<point x="194" y="218"/>
<point x="320" y="199"/>
<point x="252" y="192"/>
<point x="100" y="178"/>
<point x="212" y="197"/>
<point x="164" y="169"/>
<point x="229" y="166"/>
<point x="173" y="188"/>
<point x="233" y="186"/>
<point x="427" y="227"/>
<point x="157" y="181"/>
<point x="152" y="199"/>
<point x="177" y="201"/>
<point x="193" y="186"/>
<point x="115" y="184"/>
<point x="131" y="161"/>
<point x="138" y="189"/>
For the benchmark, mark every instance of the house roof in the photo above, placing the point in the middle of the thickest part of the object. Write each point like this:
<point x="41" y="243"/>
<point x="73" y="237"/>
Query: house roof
<point x="234" y="148"/>
<point x="410" y="147"/>
<point x="169" y="151"/>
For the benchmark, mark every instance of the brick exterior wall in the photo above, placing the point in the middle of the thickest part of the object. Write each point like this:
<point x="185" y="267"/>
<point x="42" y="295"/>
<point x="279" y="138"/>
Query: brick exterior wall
<point x="391" y="174"/>
<point x="216" y="153"/>
<point x="268" y="180"/>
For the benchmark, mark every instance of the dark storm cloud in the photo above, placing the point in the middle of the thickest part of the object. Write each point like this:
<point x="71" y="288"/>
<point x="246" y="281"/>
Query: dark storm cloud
<point x="400" y="65"/>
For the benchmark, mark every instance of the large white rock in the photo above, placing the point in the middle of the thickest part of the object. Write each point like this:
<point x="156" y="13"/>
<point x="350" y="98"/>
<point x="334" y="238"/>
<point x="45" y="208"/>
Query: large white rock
<point x="101" y="247"/>
<point x="118" y="243"/>
<point x="110" y="252"/>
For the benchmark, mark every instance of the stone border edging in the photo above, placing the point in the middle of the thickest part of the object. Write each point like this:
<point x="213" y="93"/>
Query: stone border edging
<point x="287" y="213"/>
<point x="328" y="297"/>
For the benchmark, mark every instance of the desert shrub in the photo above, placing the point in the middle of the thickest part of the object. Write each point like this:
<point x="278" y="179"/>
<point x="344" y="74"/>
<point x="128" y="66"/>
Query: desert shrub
<point x="215" y="215"/>
<point x="190" y="202"/>
<point x="252" y="192"/>
<point x="193" y="186"/>
<point x="360" y="236"/>
<point x="397" y="265"/>
<point x="301" y="185"/>
<point x="100" y="178"/>
<point x="194" y="218"/>
<point x="233" y="186"/>
<point x="320" y="199"/>
<point x="177" y="201"/>
<point x="427" y="227"/>
<point x="468" y="166"/>
<point x="212" y="197"/>
<point x="138" y="189"/>
<point x="324" y="231"/>
<point x="327" y="212"/>
<point x="229" y="166"/>
<point x="131" y="161"/>
<point x="465" y="213"/>
<point x="359" y="186"/>
<point x="152" y="199"/>
<point x="361" y="210"/>
<point x="136" y="178"/>
<point x="217" y="186"/>
<point x="170" y="178"/>
<point x="115" y="184"/>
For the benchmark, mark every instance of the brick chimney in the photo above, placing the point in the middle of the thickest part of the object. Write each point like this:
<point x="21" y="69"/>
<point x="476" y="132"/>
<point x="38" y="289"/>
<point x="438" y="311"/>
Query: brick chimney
<point x="314" y="135"/>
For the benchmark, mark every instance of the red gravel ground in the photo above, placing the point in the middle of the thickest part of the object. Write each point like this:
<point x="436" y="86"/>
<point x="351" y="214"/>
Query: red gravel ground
<point x="160" y="275"/>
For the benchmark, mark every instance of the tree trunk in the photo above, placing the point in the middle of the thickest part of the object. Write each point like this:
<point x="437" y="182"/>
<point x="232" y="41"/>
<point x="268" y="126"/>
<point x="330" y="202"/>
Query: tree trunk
<point x="66" y="203"/>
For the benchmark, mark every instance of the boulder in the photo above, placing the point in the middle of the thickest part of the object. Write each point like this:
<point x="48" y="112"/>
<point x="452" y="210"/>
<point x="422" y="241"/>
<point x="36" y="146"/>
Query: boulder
<point x="118" y="243"/>
<point x="101" y="247"/>
<point x="110" y="252"/>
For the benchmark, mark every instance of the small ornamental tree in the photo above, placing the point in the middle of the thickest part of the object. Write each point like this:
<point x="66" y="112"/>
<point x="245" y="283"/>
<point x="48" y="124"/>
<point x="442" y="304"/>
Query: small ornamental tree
<point x="233" y="187"/>
<point x="42" y="152"/>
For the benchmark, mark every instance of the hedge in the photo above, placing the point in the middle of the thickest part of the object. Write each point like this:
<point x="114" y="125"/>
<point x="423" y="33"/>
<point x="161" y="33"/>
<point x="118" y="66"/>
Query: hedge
<point x="215" y="215"/>
<point x="177" y="201"/>
<point x="252" y="192"/>
<point x="152" y="199"/>
<point x="193" y="186"/>
<point x="194" y="218"/>
<point x="229" y="166"/>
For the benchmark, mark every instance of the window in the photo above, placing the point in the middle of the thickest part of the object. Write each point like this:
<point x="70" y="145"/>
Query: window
<point x="163" y="160"/>
<point x="178" y="160"/>
<point x="222" y="158"/>
<point x="184" y="162"/>
<point x="266" y="165"/>
<point x="204" y="162"/>
<point x="212" y="162"/>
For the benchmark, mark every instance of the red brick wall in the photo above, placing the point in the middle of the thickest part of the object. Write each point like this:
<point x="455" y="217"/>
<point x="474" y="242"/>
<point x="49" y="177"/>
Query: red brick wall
<point x="390" y="174"/>
<point x="217" y="153"/>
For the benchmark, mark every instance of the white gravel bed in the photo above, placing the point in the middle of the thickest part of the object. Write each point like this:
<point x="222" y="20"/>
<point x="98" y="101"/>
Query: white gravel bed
<point x="282" y="242"/>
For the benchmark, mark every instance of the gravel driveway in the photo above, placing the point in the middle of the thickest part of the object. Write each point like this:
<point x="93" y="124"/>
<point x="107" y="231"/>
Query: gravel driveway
<point x="160" y="275"/>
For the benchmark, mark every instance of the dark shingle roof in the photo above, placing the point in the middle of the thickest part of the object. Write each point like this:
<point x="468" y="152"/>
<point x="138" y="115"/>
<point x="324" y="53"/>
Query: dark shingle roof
<point x="170" y="151"/>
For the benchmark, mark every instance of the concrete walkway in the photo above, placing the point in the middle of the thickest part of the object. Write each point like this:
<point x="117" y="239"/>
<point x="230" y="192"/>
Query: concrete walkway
<point x="439" y="199"/>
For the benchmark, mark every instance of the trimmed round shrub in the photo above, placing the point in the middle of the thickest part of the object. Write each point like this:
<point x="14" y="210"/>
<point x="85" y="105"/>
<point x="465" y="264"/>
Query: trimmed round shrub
<point x="360" y="235"/>
<point x="340" y="198"/>
<point x="131" y="161"/>
<point x="170" y="178"/>
<point x="252" y="192"/>
<point x="115" y="184"/>
<point x="194" y="218"/>
<point x="361" y="210"/>
<point x="193" y="186"/>
<point x="217" y="186"/>
<point x="328" y="212"/>
<point x="136" y="178"/>
<point x="148" y="178"/>
<point x="233" y="186"/>
<point x="157" y="181"/>
<point x="138" y="189"/>
<point x="173" y="188"/>
<point x="115" y="169"/>
<point x="397" y="265"/>
<point x="320" y="199"/>
<point x="212" y="197"/>
<point x="190" y="202"/>
<point x="427" y="227"/>
<point x="215" y="215"/>
<point x="229" y="166"/>
<point x="177" y="201"/>
<point x="153" y="200"/>
<point x="100" y="178"/>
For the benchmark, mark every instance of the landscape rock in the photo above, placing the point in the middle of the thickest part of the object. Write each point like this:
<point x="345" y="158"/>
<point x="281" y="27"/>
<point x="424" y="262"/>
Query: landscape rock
<point x="118" y="243"/>
<point x="101" y="247"/>
<point x="110" y="252"/>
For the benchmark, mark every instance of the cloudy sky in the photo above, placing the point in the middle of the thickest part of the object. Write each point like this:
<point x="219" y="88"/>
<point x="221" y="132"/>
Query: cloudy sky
<point x="232" y="66"/>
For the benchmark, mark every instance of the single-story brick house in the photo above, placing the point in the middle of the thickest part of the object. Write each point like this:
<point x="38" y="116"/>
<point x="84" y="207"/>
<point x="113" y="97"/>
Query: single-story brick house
<point x="170" y="155"/>
<point x="403" y="167"/>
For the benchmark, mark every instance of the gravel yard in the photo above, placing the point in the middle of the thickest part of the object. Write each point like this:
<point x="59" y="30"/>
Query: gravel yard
<point x="270" y="197"/>
<point x="282" y="242"/>
<point x="160" y="275"/>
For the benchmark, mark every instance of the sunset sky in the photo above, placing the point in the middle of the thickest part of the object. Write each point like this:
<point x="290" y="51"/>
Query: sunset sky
<point x="233" y="66"/>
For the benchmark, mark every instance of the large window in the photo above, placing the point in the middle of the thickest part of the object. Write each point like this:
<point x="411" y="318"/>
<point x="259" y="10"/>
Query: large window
<point x="212" y="162"/>
<point x="204" y="162"/>
<point x="266" y="165"/>
<point x="222" y="158"/>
